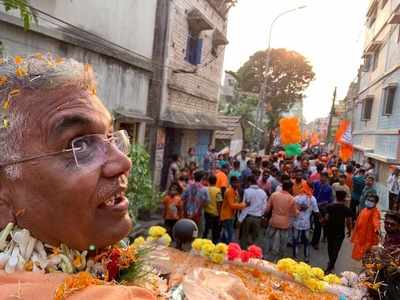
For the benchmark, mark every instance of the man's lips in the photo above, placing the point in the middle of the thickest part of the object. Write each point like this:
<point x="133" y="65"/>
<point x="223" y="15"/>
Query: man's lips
<point x="117" y="203"/>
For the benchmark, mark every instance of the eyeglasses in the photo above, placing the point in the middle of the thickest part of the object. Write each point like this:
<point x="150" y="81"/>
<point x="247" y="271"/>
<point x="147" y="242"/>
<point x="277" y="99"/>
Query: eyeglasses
<point x="89" y="150"/>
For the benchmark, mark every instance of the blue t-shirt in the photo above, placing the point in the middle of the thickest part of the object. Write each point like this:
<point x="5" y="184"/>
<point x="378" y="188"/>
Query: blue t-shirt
<point x="323" y="193"/>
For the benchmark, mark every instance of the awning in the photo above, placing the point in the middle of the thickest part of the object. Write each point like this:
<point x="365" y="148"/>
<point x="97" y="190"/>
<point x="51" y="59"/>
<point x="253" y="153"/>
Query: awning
<point x="382" y="158"/>
<point x="219" y="39"/>
<point x="362" y="148"/>
<point x="198" y="22"/>
<point x="129" y="116"/>
<point x="185" y="120"/>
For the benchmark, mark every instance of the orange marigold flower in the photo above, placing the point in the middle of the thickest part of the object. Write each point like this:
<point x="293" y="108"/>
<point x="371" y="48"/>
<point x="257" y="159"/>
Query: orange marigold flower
<point x="15" y="92"/>
<point x="3" y="80"/>
<point x="6" y="104"/>
<point x="75" y="283"/>
<point x="18" y="60"/>
<point x="21" y="72"/>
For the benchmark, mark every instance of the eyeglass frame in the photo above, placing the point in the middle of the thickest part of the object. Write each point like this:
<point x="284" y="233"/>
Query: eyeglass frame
<point x="27" y="159"/>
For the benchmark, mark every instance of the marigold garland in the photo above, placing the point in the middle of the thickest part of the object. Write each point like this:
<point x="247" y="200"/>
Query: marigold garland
<point x="76" y="283"/>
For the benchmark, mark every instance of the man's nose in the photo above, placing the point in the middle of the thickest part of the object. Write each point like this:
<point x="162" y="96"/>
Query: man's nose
<point x="117" y="163"/>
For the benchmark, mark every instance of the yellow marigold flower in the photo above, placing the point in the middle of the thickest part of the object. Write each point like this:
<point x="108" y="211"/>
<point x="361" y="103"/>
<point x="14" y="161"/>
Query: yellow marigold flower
<point x="6" y="104"/>
<point x="157" y="231"/>
<point x="315" y="285"/>
<point x="151" y="239"/>
<point x="18" y="60"/>
<point x="6" y="123"/>
<point x="3" y="80"/>
<point x="332" y="279"/>
<point x="165" y="239"/>
<point x="301" y="272"/>
<point x="317" y="273"/>
<point x="221" y="248"/>
<point x="138" y="242"/>
<point x="207" y="249"/>
<point x="21" y="72"/>
<point x="197" y="244"/>
<point x="217" y="258"/>
<point x="286" y="265"/>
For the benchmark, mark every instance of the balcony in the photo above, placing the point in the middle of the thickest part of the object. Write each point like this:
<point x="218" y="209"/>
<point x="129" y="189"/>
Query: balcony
<point x="222" y="7"/>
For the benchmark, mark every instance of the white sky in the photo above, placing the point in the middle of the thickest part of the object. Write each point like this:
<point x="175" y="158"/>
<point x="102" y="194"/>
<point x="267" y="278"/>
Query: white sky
<point x="329" y="33"/>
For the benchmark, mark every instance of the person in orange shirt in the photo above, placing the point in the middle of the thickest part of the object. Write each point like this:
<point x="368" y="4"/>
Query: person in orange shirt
<point x="349" y="176"/>
<point x="173" y="207"/>
<point x="229" y="207"/>
<point x="222" y="180"/>
<point x="367" y="230"/>
<point x="298" y="183"/>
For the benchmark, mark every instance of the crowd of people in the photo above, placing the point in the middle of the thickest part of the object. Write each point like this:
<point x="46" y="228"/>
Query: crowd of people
<point x="277" y="202"/>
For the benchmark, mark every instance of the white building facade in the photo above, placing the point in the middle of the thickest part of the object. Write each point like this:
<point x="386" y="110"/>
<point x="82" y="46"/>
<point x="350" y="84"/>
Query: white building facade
<point x="376" y="110"/>
<point x="115" y="37"/>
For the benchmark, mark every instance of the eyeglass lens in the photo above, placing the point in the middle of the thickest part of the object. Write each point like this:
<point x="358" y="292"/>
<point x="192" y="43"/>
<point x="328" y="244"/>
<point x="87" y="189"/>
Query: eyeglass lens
<point x="91" y="150"/>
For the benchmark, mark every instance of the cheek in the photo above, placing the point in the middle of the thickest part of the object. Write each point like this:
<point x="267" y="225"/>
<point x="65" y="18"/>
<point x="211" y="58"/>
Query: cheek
<point x="59" y="187"/>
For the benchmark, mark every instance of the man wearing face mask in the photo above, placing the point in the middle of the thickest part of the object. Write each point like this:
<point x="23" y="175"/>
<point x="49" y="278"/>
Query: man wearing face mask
<point x="367" y="230"/>
<point x="368" y="189"/>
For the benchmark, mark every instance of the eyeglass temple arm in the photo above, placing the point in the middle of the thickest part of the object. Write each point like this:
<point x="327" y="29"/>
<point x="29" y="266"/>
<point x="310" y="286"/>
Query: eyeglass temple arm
<point x="33" y="158"/>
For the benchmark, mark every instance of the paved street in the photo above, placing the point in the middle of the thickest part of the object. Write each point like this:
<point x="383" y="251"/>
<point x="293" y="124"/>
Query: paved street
<point x="344" y="263"/>
<point x="319" y="258"/>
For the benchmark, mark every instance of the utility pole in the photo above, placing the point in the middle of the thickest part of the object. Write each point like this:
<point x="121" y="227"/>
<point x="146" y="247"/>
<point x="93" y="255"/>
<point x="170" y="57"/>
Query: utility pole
<point x="263" y="96"/>
<point x="328" y="138"/>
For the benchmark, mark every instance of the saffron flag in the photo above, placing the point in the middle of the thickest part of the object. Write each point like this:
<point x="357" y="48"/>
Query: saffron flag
<point x="345" y="140"/>
<point x="314" y="139"/>
<point x="343" y="125"/>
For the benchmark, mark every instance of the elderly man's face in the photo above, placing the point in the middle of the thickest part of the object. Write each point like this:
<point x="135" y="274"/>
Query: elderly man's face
<point x="53" y="198"/>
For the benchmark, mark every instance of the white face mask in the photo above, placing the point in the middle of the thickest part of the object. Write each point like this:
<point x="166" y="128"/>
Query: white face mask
<point x="370" y="204"/>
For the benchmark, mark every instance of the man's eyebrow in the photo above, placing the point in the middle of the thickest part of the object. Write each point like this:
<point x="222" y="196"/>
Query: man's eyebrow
<point x="70" y="121"/>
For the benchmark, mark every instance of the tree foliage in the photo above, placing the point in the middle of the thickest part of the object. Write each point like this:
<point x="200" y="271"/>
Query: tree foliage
<point x="141" y="193"/>
<point x="288" y="76"/>
<point x="24" y="9"/>
<point x="244" y="106"/>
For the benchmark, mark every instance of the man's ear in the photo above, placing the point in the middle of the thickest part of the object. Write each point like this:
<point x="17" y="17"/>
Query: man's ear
<point x="6" y="208"/>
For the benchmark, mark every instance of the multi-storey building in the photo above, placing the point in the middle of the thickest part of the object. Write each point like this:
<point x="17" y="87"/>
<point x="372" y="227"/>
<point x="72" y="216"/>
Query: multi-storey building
<point x="192" y="59"/>
<point x="115" y="37"/>
<point x="376" y="111"/>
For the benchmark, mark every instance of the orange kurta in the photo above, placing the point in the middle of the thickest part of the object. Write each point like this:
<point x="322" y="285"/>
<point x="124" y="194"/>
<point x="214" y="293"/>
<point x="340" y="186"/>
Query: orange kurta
<point x="36" y="286"/>
<point x="365" y="234"/>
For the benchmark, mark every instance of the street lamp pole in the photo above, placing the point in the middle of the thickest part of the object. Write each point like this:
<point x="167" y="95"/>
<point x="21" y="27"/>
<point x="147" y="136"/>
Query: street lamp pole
<point x="263" y="89"/>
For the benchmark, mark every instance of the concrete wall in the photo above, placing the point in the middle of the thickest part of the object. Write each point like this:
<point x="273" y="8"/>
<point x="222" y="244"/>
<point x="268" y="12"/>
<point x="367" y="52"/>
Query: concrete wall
<point x="198" y="92"/>
<point x="128" y="23"/>
<point x="119" y="85"/>
<point x="380" y="132"/>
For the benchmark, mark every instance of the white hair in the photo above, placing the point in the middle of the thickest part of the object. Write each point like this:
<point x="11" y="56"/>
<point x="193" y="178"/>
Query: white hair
<point x="36" y="72"/>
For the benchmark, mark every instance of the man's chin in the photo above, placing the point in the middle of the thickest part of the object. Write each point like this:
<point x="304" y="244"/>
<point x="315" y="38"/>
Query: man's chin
<point x="113" y="232"/>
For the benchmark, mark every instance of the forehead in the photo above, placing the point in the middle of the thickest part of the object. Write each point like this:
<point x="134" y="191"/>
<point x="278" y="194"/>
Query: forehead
<point x="54" y="110"/>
